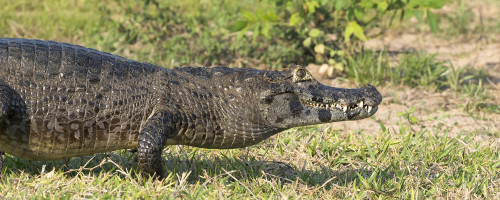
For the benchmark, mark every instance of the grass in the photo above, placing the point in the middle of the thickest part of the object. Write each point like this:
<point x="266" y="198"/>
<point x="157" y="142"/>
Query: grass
<point x="463" y="21"/>
<point x="174" y="33"/>
<point x="414" y="69"/>
<point x="418" y="69"/>
<point x="313" y="162"/>
<point x="460" y="22"/>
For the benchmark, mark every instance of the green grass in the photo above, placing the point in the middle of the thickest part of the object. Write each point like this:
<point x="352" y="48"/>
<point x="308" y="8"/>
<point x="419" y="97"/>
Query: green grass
<point x="421" y="70"/>
<point x="174" y="33"/>
<point x="369" y="67"/>
<point x="315" y="162"/>
<point x="414" y="69"/>
<point x="310" y="162"/>
<point x="462" y="21"/>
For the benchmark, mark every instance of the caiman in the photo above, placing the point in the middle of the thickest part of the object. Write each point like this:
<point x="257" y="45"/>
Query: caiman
<point x="60" y="101"/>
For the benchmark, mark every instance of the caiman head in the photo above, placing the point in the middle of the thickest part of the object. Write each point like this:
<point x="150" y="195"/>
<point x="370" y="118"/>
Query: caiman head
<point x="294" y="98"/>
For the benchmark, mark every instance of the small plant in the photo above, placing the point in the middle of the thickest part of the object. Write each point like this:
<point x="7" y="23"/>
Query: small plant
<point x="477" y="97"/>
<point x="460" y="21"/>
<point x="413" y="69"/>
<point x="417" y="69"/>
<point x="477" y="91"/>
<point x="369" y="67"/>
<point x="324" y="27"/>
<point x="455" y="78"/>
<point x="408" y="115"/>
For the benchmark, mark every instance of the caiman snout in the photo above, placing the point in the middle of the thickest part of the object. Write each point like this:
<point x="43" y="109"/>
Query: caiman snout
<point x="372" y="96"/>
<point x="362" y="102"/>
<point x="315" y="103"/>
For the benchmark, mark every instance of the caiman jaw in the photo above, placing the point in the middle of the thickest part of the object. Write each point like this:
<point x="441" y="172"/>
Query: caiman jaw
<point x="343" y="107"/>
<point x="298" y="100"/>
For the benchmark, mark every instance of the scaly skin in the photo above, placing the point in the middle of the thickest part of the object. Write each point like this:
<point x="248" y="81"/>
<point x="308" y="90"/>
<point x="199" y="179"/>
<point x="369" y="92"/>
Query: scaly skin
<point x="60" y="101"/>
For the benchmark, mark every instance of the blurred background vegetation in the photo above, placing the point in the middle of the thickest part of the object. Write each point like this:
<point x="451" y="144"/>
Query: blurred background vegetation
<point x="261" y="33"/>
<point x="264" y="34"/>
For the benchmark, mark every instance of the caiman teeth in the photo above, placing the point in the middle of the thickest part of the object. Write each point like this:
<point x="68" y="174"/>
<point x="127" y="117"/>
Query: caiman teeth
<point x="339" y="106"/>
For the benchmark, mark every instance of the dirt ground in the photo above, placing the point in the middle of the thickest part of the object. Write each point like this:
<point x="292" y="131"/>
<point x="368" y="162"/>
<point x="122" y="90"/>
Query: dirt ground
<point x="441" y="111"/>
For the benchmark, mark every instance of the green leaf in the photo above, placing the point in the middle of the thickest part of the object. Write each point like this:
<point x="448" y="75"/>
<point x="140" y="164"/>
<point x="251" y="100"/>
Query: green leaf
<point x="339" y="4"/>
<point x="331" y="61"/>
<point x="340" y="53"/>
<point x="267" y="16"/>
<point x="249" y="16"/>
<point x="314" y="32"/>
<point x="419" y="14"/>
<point x="238" y="25"/>
<point x="365" y="183"/>
<point x="372" y="155"/>
<point x="359" y="13"/>
<point x="295" y="19"/>
<point x="242" y="33"/>
<point x="339" y="67"/>
<point x="354" y="28"/>
<point x="350" y="14"/>
<point x="382" y="126"/>
<point x="307" y="42"/>
<point x="311" y="6"/>
<point x="256" y="32"/>
<point x="266" y="29"/>
<point x="366" y="3"/>
<point x="382" y="6"/>
<point x="271" y="16"/>
<point x="428" y="3"/>
<point x="413" y="119"/>
<point x="320" y="48"/>
<point x="432" y="21"/>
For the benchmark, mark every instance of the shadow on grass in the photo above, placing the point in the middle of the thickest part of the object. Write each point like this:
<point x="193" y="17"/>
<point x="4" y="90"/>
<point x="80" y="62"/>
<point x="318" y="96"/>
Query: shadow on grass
<point x="87" y="165"/>
<point x="248" y="170"/>
<point x="203" y="168"/>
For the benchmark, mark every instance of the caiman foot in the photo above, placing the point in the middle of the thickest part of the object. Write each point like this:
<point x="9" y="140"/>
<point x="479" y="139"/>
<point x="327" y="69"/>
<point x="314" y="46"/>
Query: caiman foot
<point x="149" y="161"/>
<point x="151" y="142"/>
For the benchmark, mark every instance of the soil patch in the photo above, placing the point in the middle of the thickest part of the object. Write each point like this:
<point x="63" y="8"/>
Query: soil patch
<point x="439" y="112"/>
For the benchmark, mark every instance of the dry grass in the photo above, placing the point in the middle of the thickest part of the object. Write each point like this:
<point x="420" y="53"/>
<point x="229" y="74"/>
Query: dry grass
<point x="395" y="159"/>
<point x="305" y="163"/>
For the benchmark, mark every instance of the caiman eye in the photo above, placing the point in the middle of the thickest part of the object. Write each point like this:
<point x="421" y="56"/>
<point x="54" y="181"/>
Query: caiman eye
<point x="301" y="73"/>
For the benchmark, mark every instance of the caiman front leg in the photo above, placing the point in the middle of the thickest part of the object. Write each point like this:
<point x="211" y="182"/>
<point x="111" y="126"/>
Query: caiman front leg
<point x="151" y="143"/>
<point x="7" y="112"/>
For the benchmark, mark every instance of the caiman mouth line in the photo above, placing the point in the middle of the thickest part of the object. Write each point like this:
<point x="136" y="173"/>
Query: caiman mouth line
<point x="344" y="107"/>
